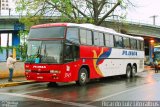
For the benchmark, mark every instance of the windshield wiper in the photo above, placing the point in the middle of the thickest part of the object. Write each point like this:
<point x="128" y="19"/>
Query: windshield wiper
<point x="45" y="51"/>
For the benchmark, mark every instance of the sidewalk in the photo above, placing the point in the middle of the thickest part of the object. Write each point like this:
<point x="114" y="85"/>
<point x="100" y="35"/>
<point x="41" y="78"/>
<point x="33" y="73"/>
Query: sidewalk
<point x="16" y="81"/>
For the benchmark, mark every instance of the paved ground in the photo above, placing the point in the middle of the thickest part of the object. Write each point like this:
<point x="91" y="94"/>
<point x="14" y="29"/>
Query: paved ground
<point x="141" y="91"/>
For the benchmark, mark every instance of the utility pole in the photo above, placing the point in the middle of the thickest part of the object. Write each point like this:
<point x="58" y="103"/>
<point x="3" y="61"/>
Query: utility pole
<point x="9" y="11"/>
<point x="154" y="19"/>
<point x="7" y="50"/>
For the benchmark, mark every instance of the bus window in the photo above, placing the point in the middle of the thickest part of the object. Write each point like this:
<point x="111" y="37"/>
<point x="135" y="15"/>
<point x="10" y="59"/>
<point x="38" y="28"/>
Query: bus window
<point x="89" y="37"/>
<point x="138" y="45"/>
<point x="96" y="38"/>
<point x="126" y="42"/>
<point x="83" y="36"/>
<point x="68" y="53"/>
<point x="49" y="32"/>
<point x="86" y="36"/>
<point x="142" y="45"/>
<point x="72" y="35"/>
<point x="71" y="52"/>
<point x="118" y="42"/>
<point x="101" y="39"/>
<point x="109" y="40"/>
<point x="133" y="44"/>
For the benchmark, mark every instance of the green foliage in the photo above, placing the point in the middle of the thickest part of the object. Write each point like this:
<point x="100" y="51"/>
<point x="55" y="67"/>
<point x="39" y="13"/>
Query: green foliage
<point x="30" y="21"/>
<point x="1" y="49"/>
<point x="55" y="1"/>
<point x="22" y="48"/>
<point x="27" y="7"/>
<point x="23" y="33"/>
<point x="23" y="51"/>
<point x="78" y="11"/>
<point x="7" y="48"/>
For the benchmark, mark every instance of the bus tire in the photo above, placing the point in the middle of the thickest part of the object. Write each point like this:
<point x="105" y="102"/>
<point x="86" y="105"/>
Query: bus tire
<point x="82" y="77"/>
<point x="52" y="84"/>
<point x="128" y="71"/>
<point x="134" y="71"/>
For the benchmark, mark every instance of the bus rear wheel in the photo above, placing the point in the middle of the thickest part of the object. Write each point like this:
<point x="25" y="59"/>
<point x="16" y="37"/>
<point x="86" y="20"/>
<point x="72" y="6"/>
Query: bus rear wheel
<point x="82" y="77"/>
<point x="128" y="71"/>
<point x="134" y="70"/>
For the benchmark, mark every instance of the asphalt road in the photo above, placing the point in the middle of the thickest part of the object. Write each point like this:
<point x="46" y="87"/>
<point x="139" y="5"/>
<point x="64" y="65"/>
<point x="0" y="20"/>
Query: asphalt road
<point x="144" y="87"/>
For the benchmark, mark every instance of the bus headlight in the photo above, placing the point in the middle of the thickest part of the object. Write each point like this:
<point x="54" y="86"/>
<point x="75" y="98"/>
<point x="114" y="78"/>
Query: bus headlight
<point x="55" y="71"/>
<point x="28" y="70"/>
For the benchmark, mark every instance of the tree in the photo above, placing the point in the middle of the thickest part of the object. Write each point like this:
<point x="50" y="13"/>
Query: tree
<point x="92" y="11"/>
<point x="22" y="48"/>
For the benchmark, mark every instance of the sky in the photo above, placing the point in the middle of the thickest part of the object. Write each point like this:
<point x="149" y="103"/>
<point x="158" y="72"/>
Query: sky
<point x="143" y="11"/>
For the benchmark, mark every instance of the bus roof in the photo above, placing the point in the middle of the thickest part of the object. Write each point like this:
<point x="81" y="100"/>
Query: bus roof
<point x="88" y="26"/>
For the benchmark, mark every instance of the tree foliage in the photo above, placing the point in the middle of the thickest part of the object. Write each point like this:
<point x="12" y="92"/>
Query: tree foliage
<point x="79" y="11"/>
<point x="22" y="48"/>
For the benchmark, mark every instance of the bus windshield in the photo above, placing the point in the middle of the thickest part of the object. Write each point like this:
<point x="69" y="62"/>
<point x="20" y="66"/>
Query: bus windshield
<point x="49" y="32"/>
<point x="48" y="51"/>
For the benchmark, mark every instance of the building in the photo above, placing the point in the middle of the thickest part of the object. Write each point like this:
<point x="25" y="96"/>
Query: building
<point x="4" y="5"/>
<point x="7" y="7"/>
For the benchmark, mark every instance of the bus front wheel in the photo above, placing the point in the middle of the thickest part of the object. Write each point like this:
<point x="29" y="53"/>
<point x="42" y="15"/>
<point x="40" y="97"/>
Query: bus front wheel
<point x="128" y="71"/>
<point x="82" y="77"/>
<point x="52" y="84"/>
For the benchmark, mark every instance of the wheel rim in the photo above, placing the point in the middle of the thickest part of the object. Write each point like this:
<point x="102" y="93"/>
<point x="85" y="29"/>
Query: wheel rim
<point x="128" y="72"/>
<point x="133" y="71"/>
<point x="83" y="77"/>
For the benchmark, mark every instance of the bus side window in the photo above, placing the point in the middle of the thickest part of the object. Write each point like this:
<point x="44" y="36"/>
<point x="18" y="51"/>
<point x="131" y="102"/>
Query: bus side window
<point x="83" y="34"/>
<point x="86" y="36"/>
<point x="126" y="43"/>
<point x="118" y="41"/>
<point x="96" y="38"/>
<point x="101" y="39"/>
<point x="72" y="35"/>
<point x="109" y="42"/>
<point x="68" y="53"/>
<point x="133" y="44"/>
<point x="71" y="52"/>
<point x="142" y="45"/>
<point x="138" y="45"/>
<point x="89" y="37"/>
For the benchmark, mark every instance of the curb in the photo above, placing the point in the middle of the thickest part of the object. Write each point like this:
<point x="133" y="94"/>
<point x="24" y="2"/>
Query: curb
<point x="9" y="84"/>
